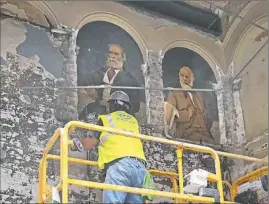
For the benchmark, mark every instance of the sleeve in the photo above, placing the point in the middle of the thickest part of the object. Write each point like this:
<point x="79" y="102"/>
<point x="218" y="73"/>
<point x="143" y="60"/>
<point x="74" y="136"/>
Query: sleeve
<point x="183" y="114"/>
<point x="171" y="99"/>
<point x="135" y="95"/>
<point x="126" y="79"/>
<point x="97" y="134"/>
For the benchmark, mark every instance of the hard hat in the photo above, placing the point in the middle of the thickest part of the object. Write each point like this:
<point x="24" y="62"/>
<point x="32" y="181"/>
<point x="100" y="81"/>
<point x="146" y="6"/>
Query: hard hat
<point x="120" y="96"/>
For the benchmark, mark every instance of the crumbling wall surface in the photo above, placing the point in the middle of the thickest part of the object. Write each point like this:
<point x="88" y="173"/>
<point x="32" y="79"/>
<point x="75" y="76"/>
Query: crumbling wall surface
<point x="251" y="59"/>
<point x="31" y="42"/>
<point x="68" y="98"/>
<point x="155" y="97"/>
<point x="27" y="116"/>
<point x="27" y="122"/>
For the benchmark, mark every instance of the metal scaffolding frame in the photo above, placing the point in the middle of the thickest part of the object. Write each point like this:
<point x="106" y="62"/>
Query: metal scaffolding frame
<point x="44" y="190"/>
<point x="123" y="87"/>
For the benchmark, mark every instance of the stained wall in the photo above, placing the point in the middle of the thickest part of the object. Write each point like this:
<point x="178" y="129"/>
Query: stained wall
<point x="38" y="55"/>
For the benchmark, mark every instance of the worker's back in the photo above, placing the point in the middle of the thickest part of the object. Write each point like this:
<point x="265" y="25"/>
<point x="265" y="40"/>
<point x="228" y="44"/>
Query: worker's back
<point x="114" y="146"/>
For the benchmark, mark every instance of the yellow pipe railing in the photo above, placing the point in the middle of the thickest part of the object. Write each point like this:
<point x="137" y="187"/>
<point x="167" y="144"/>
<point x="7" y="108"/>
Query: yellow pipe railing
<point x="248" y="178"/>
<point x="171" y="175"/>
<point x="74" y="160"/>
<point x="64" y="159"/>
<point x="78" y="124"/>
<point x="43" y="163"/>
<point x="97" y="185"/>
<point x="180" y="171"/>
<point x="229" y="187"/>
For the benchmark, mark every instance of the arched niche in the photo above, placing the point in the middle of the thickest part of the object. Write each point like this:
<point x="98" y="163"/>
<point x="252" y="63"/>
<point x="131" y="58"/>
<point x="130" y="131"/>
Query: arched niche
<point x="93" y="40"/>
<point x="119" y="21"/>
<point x="203" y="52"/>
<point x="205" y="102"/>
<point x="47" y="11"/>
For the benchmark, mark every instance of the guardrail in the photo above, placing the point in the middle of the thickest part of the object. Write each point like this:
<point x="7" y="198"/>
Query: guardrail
<point x="248" y="178"/>
<point x="44" y="192"/>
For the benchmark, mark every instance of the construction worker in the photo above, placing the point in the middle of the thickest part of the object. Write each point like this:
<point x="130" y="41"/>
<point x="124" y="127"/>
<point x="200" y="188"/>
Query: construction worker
<point x="122" y="158"/>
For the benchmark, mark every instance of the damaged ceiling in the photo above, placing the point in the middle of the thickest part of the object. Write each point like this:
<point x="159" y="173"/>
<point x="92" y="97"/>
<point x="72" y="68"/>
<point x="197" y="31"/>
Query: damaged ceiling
<point x="213" y="17"/>
<point x="25" y="11"/>
<point x="181" y="13"/>
<point x="226" y="10"/>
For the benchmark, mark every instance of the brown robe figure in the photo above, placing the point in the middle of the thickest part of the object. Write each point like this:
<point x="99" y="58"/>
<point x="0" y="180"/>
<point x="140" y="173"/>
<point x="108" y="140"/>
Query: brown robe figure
<point x="191" y="123"/>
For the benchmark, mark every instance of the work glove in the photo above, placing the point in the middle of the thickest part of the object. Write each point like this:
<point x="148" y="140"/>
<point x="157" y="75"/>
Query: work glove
<point x="77" y="145"/>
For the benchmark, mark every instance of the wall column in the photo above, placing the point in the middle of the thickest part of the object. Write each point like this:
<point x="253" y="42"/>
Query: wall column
<point x="152" y="71"/>
<point x="68" y="98"/>
<point x="231" y="123"/>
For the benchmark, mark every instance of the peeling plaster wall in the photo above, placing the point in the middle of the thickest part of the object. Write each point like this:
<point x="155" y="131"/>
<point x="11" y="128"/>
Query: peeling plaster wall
<point x="28" y="117"/>
<point x="27" y="122"/>
<point x="31" y="42"/>
<point x="240" y="44"/>
<point x="29" y="58"/>
<point x="24" y="140"/>
<point x="13" y="33"/>
<point x="254" y="89"/>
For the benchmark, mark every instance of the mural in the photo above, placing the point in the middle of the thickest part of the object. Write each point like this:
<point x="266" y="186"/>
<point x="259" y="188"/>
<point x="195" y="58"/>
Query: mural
<point x="190" y="115"/>
<point x="108" y="56"/>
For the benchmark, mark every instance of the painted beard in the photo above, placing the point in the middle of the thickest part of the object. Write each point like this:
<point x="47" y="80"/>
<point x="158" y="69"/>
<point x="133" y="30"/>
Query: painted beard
<point x="186" y="85"/>
<point x="112" y="63"/>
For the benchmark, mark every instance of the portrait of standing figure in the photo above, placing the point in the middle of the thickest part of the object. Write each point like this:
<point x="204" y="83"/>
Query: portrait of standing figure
<point x="108" y="57"/>
<point x="193" y="114"/>
<point x="112" y="74"/>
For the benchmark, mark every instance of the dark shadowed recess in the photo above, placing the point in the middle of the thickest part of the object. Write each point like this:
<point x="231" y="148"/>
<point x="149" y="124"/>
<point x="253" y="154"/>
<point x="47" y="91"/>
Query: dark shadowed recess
<point x="182" y="13"/>
<point x="38" y="43"/>
<point x="93" y="40"/>
<point x="176" y="58"/>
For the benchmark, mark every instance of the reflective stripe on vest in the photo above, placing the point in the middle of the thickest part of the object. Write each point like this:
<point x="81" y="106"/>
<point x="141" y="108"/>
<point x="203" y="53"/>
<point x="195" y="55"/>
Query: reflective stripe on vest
<point x="112" y="125"/>
<point x="110" y="120"/>
<point x="112" y="145"/>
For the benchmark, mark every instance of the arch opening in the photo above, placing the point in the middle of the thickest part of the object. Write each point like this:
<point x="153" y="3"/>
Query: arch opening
<point x="94" y="41"/>
<point x="194" y="115"/>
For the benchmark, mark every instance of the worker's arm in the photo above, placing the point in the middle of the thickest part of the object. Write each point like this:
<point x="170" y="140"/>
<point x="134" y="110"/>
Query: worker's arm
<point x="89" y="142"/>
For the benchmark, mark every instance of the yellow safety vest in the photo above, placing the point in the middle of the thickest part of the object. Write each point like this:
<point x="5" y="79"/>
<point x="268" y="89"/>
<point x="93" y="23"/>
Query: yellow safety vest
<point x="113" y="146"/>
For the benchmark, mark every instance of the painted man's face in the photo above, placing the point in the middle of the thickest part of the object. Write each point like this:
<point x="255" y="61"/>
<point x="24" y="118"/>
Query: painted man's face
<point x="115" y="58"/>
<point x="186" y="77"/>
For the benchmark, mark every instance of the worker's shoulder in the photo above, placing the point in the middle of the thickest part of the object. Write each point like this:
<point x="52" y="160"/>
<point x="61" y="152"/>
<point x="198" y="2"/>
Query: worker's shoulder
<point x="124" y="114"/>
<point x="101" y="117"/>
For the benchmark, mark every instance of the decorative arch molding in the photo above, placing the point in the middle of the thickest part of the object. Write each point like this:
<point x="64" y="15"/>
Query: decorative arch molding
<point x="45" y="9"/>
<point x="122" y="23"/>
<point x="236" y="22"/>
<point x="261" y="20"/>
<point x="204" y="53"/>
